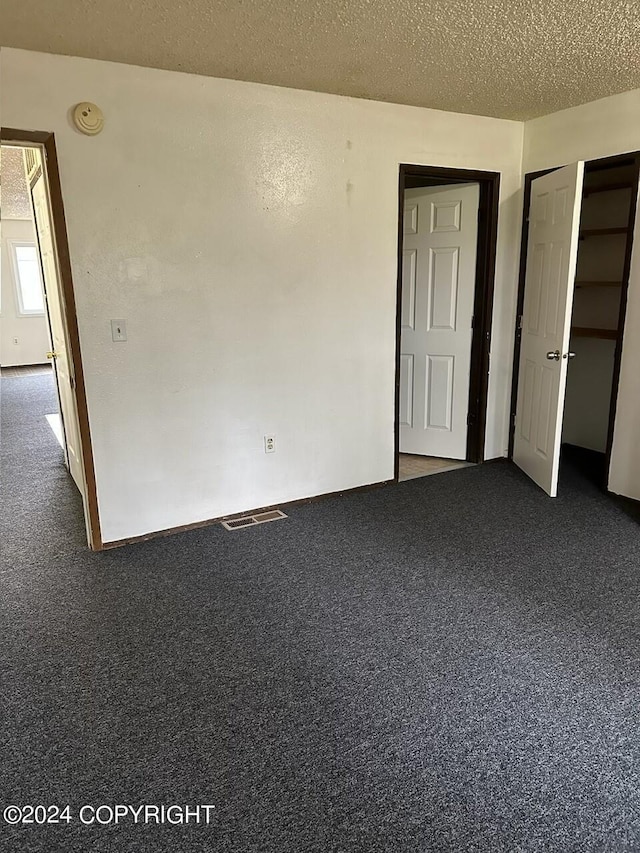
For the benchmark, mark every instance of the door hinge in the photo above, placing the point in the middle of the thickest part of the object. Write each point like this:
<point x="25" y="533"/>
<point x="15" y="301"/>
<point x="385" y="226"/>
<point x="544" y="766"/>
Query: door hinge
<point x="519" y="322"/>
<point x="473" y="322"/>
<point x="471" y="418"/>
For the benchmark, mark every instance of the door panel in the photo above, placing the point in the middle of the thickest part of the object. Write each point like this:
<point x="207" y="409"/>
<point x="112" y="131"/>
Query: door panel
<point x="546" y="322"/>
<point x="406" y="390"/>
<point x="438" y="290"/>
<point x="55" y="310"/>
<point x="443" y="289"/>
<point x="409" y="289"/>
<point x="439" y="392"/>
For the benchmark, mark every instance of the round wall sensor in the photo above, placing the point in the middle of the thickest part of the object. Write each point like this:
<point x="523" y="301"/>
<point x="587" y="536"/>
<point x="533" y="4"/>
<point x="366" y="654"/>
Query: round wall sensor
<point x="88" y="118"/>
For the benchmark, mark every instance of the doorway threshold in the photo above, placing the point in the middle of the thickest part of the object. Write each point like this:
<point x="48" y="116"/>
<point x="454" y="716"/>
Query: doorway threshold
<point x="413" y="466"/>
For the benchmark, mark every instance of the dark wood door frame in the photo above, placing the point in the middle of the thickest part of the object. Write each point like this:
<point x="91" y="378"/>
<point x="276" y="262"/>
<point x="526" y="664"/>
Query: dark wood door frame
<point x="483" y="300"/>
<point x="46" y="142"/>
<point x="616" y="161"/>
<point x="622" y="316"/>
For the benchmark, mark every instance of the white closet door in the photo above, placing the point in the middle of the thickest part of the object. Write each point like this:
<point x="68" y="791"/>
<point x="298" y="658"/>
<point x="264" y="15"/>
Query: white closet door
<point x="554" y="220"/>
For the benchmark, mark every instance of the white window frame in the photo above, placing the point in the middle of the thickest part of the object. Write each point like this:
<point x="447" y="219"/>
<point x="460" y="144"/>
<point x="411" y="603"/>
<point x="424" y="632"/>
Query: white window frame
<point x="15" y="269"/>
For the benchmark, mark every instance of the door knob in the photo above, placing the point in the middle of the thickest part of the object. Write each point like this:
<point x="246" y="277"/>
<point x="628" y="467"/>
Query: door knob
<point x="554" y="355"/>
<point x="52" y="354"/>
<point x="569" y="355"/>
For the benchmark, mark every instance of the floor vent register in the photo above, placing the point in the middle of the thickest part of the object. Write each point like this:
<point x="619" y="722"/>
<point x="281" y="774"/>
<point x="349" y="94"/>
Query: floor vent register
<point x="252" y="520"/>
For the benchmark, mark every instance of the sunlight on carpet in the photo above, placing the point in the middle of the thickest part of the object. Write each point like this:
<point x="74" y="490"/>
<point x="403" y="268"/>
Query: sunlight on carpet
<point x="55" y="422"/>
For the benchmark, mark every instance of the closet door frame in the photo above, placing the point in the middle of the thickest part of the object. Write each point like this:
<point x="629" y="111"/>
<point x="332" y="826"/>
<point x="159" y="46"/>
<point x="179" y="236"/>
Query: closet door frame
<point x="624" y="291"/>
<point x="631" y="159"/>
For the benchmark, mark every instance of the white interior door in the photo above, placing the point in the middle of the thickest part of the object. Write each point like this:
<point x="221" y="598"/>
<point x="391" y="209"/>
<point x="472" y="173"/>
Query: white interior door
<point x="552" y="250"/>
<point x="438" y="288"/>
<point x="60" y="348"/>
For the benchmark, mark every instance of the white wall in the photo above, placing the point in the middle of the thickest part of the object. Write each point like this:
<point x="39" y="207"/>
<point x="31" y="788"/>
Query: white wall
<point x="624" y="478"/>
<point x="601" y="129"/>
<point x="597" y="129"/>
<point x="248" y="235"/>
<point x="588" y="397"/>
<point x="590" y="374"/>
<point x="30" y="332"/>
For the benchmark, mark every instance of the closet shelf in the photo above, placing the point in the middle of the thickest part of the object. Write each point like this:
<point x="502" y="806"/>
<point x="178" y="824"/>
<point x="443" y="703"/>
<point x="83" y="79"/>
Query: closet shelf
<point x="598" y="232"/>
<point x="585" y="332"/>
<point x="604" y="188"/>
<point x="587" y="283"/>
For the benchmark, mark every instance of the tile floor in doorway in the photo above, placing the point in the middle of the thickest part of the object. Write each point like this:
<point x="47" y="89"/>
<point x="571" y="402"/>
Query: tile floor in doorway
<point x="412" y="466"/>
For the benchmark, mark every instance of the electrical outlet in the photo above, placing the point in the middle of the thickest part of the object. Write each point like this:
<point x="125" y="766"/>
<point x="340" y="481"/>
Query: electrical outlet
<point x="16" y="341"/>
<point x="269" y="444"/>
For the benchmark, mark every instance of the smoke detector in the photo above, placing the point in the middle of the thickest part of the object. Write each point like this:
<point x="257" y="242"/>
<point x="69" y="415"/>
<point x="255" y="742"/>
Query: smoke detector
<point x="88" y="118"/>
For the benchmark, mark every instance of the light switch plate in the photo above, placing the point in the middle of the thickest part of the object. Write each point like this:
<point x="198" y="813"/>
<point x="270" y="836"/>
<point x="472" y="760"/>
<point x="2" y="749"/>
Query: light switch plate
<point x="119" y="330"/>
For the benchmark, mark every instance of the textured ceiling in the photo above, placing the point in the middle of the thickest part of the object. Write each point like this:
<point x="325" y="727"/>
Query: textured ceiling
<point x="509" y="58"/>
<point x="15" y="193"/>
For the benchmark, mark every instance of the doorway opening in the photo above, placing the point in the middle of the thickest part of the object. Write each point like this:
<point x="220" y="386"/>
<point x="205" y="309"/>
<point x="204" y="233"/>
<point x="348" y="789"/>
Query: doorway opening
<point x="446" y="264"/>
<point x="41" y="353"/>
<point x="582" y="361"/>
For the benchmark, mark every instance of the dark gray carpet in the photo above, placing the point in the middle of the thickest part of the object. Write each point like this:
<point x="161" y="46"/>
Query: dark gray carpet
<point x="452" y="664"/>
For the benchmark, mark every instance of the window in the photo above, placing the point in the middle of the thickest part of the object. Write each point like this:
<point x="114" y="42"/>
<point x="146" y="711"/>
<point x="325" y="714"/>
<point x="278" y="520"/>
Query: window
<point x="26" y="267"/>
